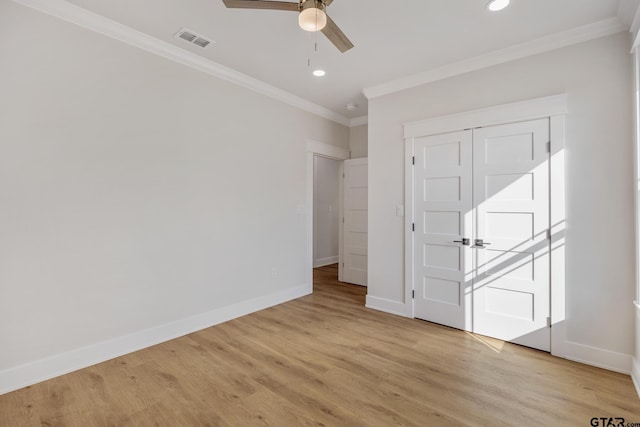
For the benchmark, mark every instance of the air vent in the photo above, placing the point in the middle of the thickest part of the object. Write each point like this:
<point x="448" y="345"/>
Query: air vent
<point x="201" y="42"/>
<point x="193" y="37"/>
<point x="186" y="35"/>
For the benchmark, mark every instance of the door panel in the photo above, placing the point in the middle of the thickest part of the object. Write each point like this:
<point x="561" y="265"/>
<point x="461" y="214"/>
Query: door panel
<point x="442" y="215"/>
<point x="355" y="221"/>
<point x="511" y="199"/>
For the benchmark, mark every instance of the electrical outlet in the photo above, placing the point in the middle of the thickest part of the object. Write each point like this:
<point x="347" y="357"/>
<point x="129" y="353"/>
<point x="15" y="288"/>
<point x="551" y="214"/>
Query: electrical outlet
<point x="274" y="273"/>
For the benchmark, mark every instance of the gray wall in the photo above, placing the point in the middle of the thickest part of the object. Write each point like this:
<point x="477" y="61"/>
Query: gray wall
<point x="136" y="191"/>
<point x="597" y="77"/>
<point x="358" y="141"/>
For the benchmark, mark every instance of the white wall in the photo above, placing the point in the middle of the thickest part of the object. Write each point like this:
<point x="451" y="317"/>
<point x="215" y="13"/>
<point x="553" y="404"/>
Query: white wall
<point x="326" y="210"/>
<point x="358" y="141"/>
<point x="135" y="191"/>
<point x="600" y="250"/>
<point x="636" y="183"/>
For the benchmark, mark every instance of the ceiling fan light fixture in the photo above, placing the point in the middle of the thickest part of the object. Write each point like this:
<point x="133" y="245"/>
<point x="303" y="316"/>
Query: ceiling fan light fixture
<point x="496" y="5"/>
<point x="312" y="16"/>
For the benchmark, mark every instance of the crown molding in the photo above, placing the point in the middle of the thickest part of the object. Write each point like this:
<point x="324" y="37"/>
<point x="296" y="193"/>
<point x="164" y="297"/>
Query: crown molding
<point x="100" y="24"/>
<point x="534" y="47"/>
<point x="358" y="121"/>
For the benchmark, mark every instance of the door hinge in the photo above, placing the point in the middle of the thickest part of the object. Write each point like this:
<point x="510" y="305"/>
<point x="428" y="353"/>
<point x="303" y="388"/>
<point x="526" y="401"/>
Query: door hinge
<point x="548" y="322"/>
<point x="413" y="160"/>
<point x="413" y="294"/>
<point x="343" y="220"/>
<point x="413" y="226"/>
<point x="549" y="147"/>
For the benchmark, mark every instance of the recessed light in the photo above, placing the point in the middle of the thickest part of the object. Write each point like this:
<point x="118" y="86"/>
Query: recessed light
<point x="352" y="107"/>
<point x="319" y="73"/>
<point x="496" y="5"/>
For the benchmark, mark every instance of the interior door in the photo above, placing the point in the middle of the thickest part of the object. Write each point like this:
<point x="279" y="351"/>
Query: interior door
<point x="442" y="219"/>
<point x="354" y="269"/>
<point x="511" y="197"/>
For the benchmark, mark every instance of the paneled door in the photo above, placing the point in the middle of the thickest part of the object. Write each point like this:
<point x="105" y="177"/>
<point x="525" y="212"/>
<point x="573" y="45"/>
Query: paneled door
<point x="443" y="228"/>
<point x="356" y="208"/>
<point x="481" y="248"/>
<point x="511" y="288"/>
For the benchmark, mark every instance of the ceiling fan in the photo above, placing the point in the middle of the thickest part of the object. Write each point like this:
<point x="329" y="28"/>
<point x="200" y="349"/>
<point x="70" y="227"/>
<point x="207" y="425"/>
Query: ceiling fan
<point x="312" y="17"/>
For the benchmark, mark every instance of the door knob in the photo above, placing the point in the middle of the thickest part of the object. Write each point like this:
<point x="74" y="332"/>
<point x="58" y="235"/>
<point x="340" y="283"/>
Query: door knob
<point x="479" y="243"/>
<point x="464" y="241"/>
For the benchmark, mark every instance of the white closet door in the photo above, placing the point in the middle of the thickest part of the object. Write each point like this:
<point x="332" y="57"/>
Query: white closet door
<point x="511" y="198"/>
<point x="443" y="218"/>
<point x="355" y="221"/>
<point x="492" y="187"/>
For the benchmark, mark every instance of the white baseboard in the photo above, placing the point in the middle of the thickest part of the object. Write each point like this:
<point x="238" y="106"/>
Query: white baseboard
<point x="63" y="363"/>
<point x="386" y="305"/>
<point x="321" y="262"/>
<point x="598" y="357"/>
<point x="635" y="374"/>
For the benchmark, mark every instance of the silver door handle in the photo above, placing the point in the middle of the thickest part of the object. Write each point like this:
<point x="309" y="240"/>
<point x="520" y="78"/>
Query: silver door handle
<point x="479" y="243"/>
<point x="464" y="241"/>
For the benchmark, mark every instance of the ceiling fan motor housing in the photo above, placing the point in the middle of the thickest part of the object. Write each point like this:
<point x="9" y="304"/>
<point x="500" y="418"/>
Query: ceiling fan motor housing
<point x="318" y="4"/>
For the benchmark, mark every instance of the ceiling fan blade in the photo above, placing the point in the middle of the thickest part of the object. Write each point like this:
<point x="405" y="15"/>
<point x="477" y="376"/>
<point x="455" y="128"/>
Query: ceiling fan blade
<point x="336" y="36"/>
<point x="327" y="2"/>
<point x="262" y="4"/>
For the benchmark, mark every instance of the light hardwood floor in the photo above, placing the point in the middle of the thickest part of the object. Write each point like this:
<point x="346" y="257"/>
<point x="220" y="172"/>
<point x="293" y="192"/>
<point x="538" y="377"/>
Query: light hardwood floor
<point x="327" y="360"/>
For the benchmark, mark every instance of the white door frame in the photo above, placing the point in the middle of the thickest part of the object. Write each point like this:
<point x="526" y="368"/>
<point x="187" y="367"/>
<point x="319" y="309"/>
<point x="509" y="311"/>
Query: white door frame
<point x="315" y="148"/>
<point x="553" y="107"/>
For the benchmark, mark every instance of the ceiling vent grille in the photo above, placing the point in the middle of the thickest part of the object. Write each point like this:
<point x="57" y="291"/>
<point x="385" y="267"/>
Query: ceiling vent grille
<point x="201" y="42"/>
<point x="193" y="37"/>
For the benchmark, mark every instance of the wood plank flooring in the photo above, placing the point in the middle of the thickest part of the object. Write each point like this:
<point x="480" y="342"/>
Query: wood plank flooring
<point x="326" y="360"/>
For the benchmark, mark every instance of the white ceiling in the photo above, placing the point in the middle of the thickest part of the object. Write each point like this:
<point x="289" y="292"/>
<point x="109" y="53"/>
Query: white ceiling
<point x="393" y="38"/>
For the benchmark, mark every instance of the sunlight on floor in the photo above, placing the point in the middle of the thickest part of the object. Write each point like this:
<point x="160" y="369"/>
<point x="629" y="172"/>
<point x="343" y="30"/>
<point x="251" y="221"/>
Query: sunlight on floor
<point x="493" y="344"/>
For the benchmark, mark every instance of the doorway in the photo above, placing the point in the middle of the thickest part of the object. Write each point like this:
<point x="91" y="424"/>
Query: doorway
<point x="330" y="153"/>
<point x="326" y="210"/>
